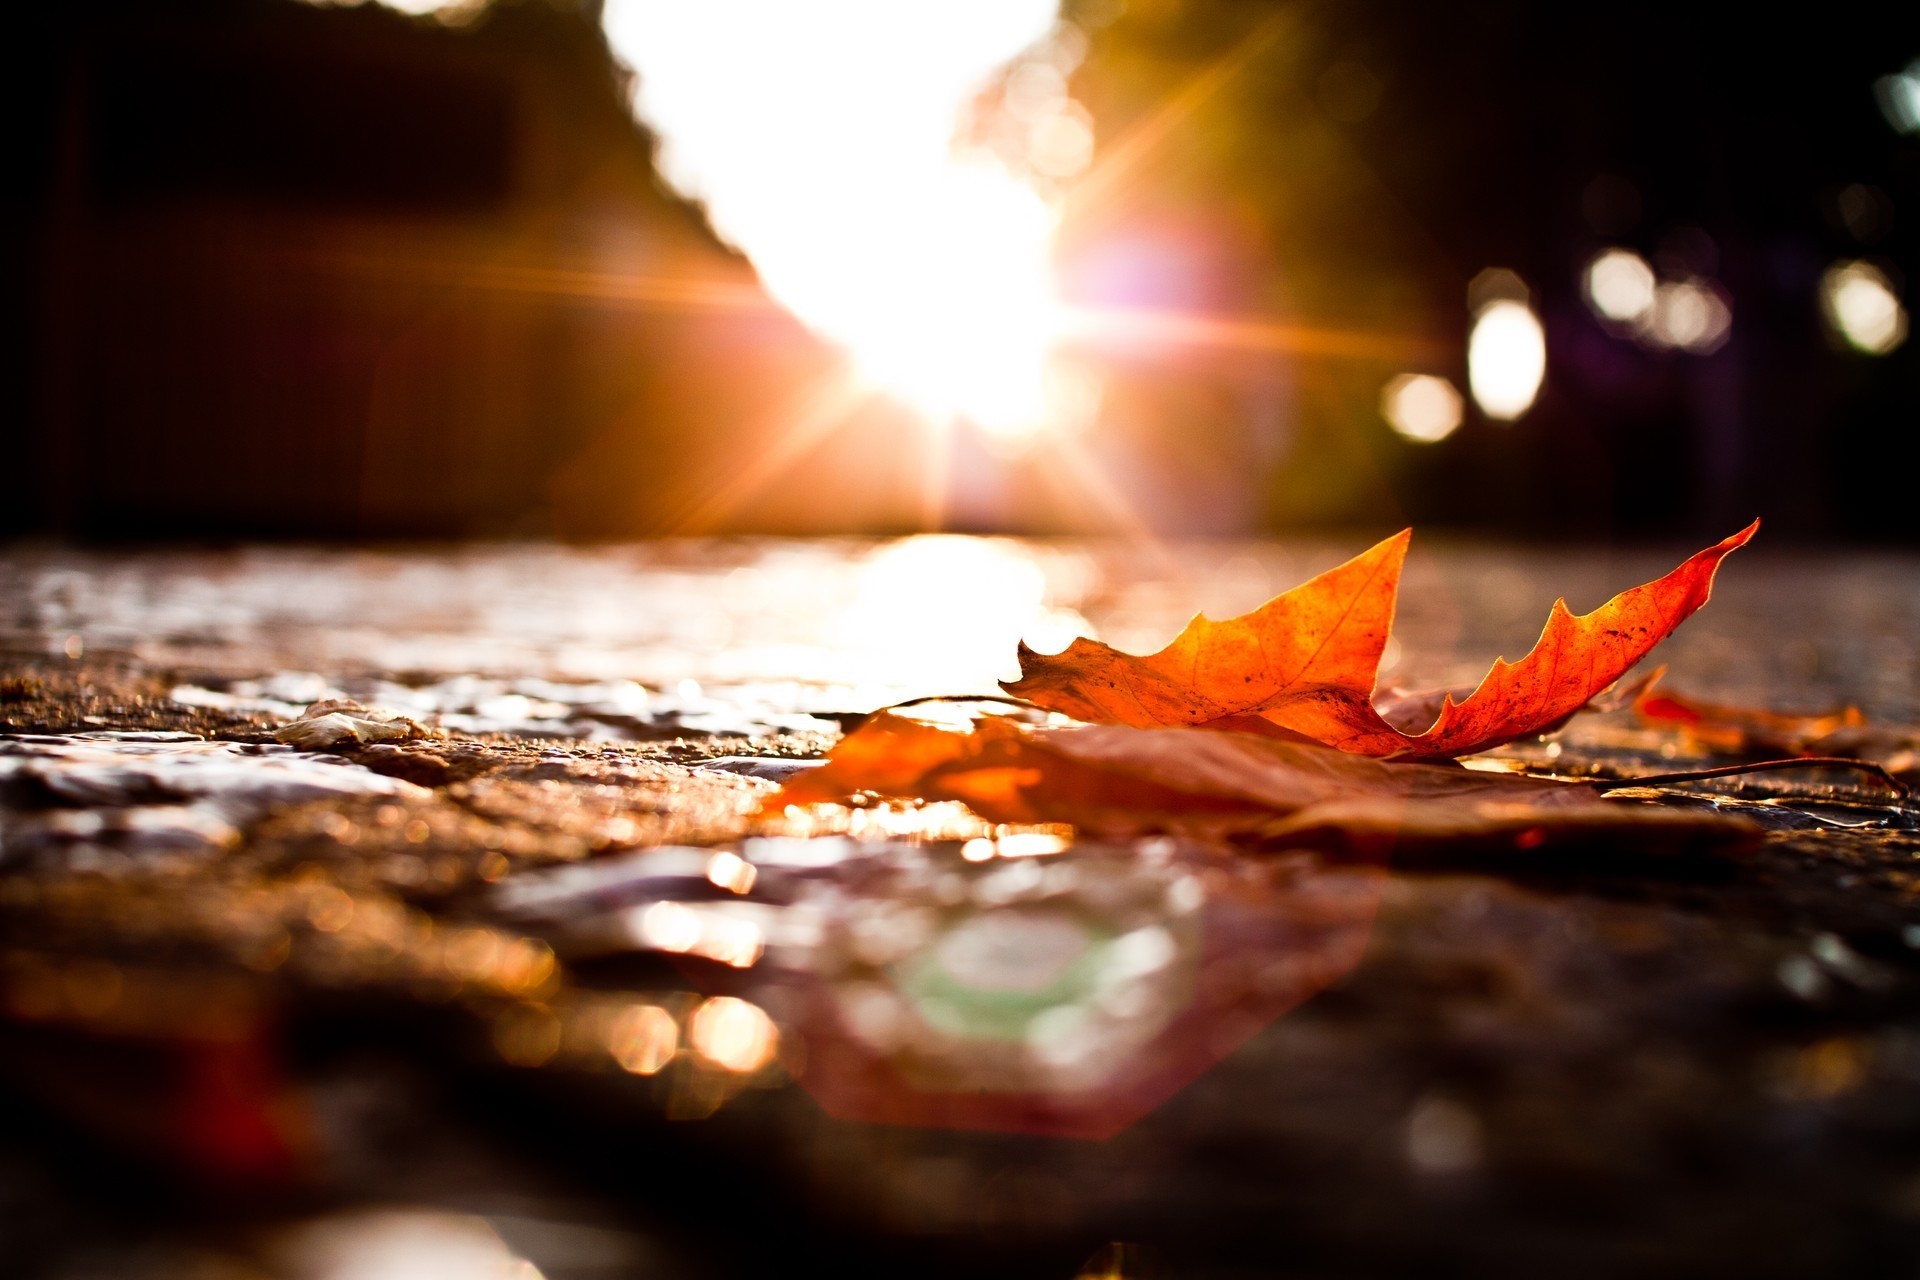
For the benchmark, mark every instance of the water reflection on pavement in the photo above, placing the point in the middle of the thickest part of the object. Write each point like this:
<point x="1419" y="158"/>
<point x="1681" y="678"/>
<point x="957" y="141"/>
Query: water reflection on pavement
<point x="1067" y="990"/>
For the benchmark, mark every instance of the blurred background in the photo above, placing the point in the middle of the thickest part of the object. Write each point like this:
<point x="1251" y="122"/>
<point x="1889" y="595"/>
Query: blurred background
<point x="564" y="268"/>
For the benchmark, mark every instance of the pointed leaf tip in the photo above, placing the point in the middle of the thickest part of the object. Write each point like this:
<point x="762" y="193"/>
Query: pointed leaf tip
<point x="1326" y="634"/>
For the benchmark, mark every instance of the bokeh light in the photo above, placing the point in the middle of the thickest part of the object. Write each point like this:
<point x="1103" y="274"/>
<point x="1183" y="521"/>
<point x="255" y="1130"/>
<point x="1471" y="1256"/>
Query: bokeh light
<point x="1865" y="210"/>
<point x="644" y="1039"/>
<point x="1691" y="315"/>
<point x="731" y="872"/>
<point x="700" y="930"/>
<point x="1863" y="308"/>
<point x="822" y="144"/>
<point x="1620" y="286"/>
<point x="1506" y="359"/>
<point x="393" y="1244"/>
<point x="670" y="926"/>
<point x="1421" y="407"/>
<point x="1899" y="96"/>
<point x="1061" y="144"/>
<point x="733" y="1034"/>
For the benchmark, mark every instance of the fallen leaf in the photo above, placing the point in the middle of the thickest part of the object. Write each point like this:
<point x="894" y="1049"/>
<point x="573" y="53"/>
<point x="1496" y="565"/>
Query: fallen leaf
<point x="1316" y="644"/>
<point x="1120" y="780"/>
<point x="1750" y="732"/>
<point x="1304" y="664"/>
<point x="1408" y="711"/>
<point x="1747" y="730"/>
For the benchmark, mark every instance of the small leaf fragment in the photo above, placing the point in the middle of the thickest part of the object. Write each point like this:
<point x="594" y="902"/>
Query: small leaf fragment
<point x="1750" y="730"/>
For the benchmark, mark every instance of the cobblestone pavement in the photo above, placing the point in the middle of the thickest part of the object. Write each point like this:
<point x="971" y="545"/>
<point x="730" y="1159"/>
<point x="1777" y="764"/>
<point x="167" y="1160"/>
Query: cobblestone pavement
<point x="542" y="990"/>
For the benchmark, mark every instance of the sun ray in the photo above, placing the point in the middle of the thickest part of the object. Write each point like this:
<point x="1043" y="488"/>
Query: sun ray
<point x="643" y="292"/>
<point x="827" y="405"/>
<point x="1069" y="460"/>
<point x="1108" y="325"/>
<point x="1132" y="148"/>
<point x="936" y="474"/>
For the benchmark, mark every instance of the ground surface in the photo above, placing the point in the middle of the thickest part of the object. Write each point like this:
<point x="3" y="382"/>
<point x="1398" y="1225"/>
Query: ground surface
<point x="544" y="989"/>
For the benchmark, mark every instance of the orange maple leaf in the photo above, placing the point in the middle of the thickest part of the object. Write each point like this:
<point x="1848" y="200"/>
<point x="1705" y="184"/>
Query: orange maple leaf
<point x="1117" y="780"/>
<point x="1305" y="663"/>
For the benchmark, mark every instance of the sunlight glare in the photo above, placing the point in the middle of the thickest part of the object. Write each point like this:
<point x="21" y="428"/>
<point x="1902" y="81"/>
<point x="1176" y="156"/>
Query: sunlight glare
<point x="944" y="614"/>
<point x="1061" y="144"/>
<point x="820" y="138"/>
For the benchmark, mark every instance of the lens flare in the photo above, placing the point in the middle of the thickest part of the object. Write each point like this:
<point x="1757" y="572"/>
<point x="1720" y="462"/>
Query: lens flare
<point x="820" y="138"/>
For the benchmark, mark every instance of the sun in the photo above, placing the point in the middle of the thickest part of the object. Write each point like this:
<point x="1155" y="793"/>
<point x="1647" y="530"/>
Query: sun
<point x="821" y="140"/>
<point x="957" y="315"/>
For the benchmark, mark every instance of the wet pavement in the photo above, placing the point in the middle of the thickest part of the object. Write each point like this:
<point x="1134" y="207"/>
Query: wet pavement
<point x="537" y="989"/>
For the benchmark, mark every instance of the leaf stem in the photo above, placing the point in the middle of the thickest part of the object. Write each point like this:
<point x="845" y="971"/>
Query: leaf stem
<point x="1894" y="784"/>
<point x="966" y="697"/>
